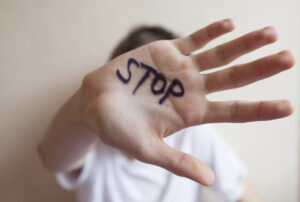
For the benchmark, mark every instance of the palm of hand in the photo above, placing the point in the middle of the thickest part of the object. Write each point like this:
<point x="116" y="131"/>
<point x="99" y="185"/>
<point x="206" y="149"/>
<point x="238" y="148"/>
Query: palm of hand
<point x="138" y="103"/>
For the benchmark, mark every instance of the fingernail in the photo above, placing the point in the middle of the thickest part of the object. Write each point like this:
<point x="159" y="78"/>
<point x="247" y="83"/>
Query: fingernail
<point x="228" y="23"/>
<point x="285" y="108"/>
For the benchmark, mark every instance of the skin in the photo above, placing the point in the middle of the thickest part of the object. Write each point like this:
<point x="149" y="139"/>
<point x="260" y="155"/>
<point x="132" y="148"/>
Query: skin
<point x="250" y="194"/>
<point x="105" y="108"/>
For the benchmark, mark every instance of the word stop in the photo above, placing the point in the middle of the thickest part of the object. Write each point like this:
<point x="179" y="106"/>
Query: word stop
<point x="158" y="77"/>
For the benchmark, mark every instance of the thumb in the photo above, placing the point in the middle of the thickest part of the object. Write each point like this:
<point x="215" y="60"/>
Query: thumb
<point x="182" y="164"/>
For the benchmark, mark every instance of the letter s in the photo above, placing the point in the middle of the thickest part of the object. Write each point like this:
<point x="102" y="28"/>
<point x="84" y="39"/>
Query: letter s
<point x="121" y="77"/>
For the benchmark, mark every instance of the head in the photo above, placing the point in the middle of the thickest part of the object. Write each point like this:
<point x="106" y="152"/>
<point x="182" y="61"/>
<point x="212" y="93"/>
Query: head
<point x="140" y="36"/>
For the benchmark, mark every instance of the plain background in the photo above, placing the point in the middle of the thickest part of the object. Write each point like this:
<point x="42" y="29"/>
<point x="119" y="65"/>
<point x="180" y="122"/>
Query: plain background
<point x="46" y="47"/>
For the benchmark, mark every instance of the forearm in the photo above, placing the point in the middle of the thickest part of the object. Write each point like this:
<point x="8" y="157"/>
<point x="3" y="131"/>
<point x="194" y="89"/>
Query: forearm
<point x="67" y="139"/>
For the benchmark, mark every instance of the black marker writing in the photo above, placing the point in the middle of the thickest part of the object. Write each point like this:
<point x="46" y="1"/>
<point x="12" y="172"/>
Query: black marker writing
<point x="158" y="77"/>
<point x="171" y="91"/>
<point x="130" y="61"/>
<point x="146" y="75"/>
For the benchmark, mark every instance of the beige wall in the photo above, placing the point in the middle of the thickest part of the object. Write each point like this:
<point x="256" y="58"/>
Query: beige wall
<point x="46" y="47"/>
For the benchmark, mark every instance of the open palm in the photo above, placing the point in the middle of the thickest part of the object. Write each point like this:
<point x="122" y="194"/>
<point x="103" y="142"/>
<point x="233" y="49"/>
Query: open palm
<point x="151" y="92"/>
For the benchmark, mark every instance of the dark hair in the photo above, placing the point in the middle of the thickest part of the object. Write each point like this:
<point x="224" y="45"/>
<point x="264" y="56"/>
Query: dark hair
<point x="140" y="36"/>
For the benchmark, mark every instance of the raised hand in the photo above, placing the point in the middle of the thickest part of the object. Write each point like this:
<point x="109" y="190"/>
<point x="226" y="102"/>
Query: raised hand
<point x="149" y="93"/>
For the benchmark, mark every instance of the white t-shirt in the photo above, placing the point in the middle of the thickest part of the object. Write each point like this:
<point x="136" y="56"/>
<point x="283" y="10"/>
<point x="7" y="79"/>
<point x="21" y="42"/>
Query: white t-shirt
<point x="110" y="176"/>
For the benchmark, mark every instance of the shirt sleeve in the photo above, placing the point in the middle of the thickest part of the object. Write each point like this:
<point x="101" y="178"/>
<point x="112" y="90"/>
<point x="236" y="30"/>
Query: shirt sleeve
<point x="229" y="171"/>
<point x="73" y="180"/>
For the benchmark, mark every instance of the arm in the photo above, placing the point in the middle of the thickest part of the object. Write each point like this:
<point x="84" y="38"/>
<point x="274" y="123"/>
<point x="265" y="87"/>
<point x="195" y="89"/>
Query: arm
<point x="144" y="95"/>
<point x="67" y="139"/>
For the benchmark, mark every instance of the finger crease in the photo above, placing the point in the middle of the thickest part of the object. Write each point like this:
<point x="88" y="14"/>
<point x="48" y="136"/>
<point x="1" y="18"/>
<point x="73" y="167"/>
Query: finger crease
<point x="220" y="53"/>
<point x="234" y="111"/>
<point x="233" y="76"/>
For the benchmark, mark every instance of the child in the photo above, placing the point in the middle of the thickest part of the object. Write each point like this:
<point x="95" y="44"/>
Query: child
<point x="134" y="108"/>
